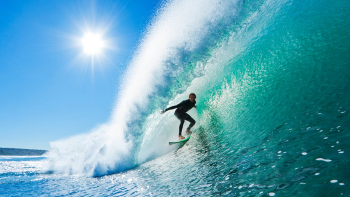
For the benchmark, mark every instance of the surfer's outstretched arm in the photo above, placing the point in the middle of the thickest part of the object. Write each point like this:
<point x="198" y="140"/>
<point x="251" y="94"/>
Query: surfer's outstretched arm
<point x="173" y="107"/>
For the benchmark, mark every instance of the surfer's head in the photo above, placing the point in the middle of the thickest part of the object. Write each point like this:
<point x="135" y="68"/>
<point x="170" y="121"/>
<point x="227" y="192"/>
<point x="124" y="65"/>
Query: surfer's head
<point x="192" y="97"/>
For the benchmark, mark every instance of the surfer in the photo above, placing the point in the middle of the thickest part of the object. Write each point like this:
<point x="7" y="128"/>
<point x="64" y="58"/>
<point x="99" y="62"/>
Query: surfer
<point x="181" y="114"/>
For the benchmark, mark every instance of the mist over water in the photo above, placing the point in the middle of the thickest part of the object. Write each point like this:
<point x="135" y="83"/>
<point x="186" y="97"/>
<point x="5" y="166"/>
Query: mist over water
<point x="272" y="84"/>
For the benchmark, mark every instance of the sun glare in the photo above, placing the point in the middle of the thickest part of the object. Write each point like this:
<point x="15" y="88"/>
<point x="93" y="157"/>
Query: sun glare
<point x="92" y="43"/>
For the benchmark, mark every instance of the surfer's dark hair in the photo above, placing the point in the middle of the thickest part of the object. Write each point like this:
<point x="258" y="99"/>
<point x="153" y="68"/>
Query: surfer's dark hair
<point x="192" y="94"/>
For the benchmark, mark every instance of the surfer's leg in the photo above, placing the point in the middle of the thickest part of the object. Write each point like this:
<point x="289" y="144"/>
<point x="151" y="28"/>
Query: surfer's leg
<point x="181" y="126"/>
<point x="191" y="120"/>
<point x="182" y="121"/>
<point x="180" y="129"/>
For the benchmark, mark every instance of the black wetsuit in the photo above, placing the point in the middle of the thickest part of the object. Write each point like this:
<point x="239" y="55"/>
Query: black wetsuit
<point x="181" y="114"/>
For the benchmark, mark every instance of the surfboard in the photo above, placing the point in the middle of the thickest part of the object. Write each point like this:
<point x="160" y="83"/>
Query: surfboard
<point x="181" y="141"/>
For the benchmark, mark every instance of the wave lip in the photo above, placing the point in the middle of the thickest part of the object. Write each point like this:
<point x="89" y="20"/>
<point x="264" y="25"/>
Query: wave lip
<point x="182" y="28"/>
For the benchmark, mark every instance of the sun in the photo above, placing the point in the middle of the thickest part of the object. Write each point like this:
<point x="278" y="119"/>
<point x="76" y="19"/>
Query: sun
<point x="92" y="44"/>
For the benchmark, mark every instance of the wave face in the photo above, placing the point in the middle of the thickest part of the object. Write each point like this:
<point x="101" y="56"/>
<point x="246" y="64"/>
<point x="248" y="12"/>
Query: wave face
<point x="273" y="90"/>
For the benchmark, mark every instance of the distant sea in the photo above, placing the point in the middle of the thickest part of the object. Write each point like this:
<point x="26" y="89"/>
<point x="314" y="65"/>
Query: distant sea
<point x="21" y="152"/>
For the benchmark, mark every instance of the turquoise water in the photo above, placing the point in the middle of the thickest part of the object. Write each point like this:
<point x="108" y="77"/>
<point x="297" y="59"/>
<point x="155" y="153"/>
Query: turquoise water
<point x="273" y="95"/>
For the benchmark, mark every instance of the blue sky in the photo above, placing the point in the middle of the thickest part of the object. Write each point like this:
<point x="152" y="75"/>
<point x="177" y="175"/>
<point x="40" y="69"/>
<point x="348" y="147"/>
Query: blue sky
<point x="49" y="88"/>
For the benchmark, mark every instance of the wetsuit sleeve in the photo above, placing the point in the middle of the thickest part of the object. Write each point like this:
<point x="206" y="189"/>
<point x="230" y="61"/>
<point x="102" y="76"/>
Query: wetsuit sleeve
<point x="176" y="106"/>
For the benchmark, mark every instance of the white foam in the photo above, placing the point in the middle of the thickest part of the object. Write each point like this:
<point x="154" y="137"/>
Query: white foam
<point x="321" y="159"/>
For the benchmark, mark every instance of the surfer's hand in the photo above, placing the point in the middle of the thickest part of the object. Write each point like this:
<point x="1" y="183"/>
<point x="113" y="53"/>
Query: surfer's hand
<point x="162" y="112"/>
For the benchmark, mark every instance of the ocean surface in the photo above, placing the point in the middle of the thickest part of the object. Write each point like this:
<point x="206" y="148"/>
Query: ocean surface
<point x="272" y="80"/>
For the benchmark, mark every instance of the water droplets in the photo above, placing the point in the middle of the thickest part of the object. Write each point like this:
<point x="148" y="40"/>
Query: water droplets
<point x="304" y="153"/>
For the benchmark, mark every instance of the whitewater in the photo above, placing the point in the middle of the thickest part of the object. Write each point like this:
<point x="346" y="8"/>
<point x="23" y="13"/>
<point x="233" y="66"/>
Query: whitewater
<point x="273" y="91"/>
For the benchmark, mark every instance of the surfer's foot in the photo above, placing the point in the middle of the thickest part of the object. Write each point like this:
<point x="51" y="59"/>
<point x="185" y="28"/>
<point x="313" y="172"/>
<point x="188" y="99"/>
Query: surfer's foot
<point x="188" y="132"/>
<point x="181" y="137"/>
